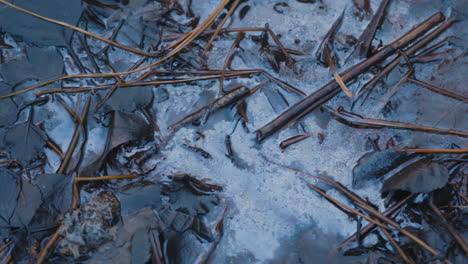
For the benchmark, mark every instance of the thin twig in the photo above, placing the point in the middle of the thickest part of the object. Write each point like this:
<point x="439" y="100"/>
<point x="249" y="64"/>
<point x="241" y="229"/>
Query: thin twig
<point x="76" y="136"/>
<point x="439" y="90"/>
<point x="109" y="177"/>
<point x="220" y="26"/>
<point x="377" y="123"/>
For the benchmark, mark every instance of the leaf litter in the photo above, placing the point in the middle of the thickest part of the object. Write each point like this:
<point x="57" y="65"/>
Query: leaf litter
<point x="137" y="191"/>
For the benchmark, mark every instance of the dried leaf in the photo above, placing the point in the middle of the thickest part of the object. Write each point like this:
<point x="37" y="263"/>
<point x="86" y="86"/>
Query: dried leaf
<point x="25" y="142"/>
<point x="376" y="164"/>
<point x="9" y="190"/>
<point x="422" y="176"/>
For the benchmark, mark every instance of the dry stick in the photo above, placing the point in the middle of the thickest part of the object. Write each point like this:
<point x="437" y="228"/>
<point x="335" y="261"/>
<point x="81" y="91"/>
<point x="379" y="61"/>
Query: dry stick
<point x="434" y="151"/>
<point x="410" y="51"/>
<point x="325" y="93"/>
<point x="69" y="110"/>
<point x="461" y="242"/>
<point x="109" y="177"/>
<point x="292" y="140"/>
<point x="55" y="148"/>
<point x="397" y="247"/>
<point x="228" y="59"/>
<point x="369" y="227"/>
<point x="233" y="8"/>
<point x="377" y="123"/>
<point x="336" y="202"/>
<point x="197" y="31"/>
<point x="280" y="83"/>
<point x="43" y="254"/>
<point x="79" y="30"/>
<point x="174" y="81"/>
<point x="76" y="137"/>
<point x="439" y="90"/>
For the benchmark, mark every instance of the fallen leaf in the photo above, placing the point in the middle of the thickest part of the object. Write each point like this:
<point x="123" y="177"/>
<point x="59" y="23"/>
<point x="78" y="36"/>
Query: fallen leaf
<point x="25" y="142"/>
<point x="422" y="176"/>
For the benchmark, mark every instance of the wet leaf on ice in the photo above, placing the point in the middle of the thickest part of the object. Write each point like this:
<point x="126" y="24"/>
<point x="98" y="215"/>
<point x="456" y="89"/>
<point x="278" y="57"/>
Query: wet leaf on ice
<point x="130" y="99"/>
<point x="422" y="176"/>
<point x="376" y="164"/>
<point x="25" y="142"/>
<point x="8" y="113"/>
<point x="9" y="193"/>
<point x="129" y="127"/>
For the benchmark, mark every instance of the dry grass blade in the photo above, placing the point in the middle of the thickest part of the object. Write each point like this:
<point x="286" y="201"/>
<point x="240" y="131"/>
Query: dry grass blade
<point x="76" y="136"/>
<point x="434" y="151"/>
<point x="231" y="10"/>
<point x="228" y="60"/>
<point x="43" y="254"/>
<point x="109" y="177"/>
<point x="461" y="242"/>
<point x="439" y="90"/>
<point x="377" y="123"/>
<point x="397" y="247"/>
<point x="336" y="202"/>
<point x="194" y="34"/>
<point x="337" y="76"/>
<point x="113" y="43"/>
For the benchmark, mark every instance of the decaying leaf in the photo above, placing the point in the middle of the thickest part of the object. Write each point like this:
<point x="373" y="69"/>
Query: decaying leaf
<point x="25" y="142"/>
<point x="9" y="193"/>
<point x="376" y="164"/>
<point x="423" y="176"/>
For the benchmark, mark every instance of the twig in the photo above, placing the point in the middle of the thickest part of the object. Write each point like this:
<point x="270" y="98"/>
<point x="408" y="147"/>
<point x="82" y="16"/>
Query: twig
<point x="439" y="90"/>
<point x="228" y="60"/>
<point x="390" y="211"/>
<point x="43" y="254"/>
<point x="322" y="95"/>
<point x="377" y="123"/>
<point x="461" y="242"/>
<point x="434" y="151"/>
<point x="220" y="26"/>
<point x="75" y="138"/>
<point x="109" y="177"/>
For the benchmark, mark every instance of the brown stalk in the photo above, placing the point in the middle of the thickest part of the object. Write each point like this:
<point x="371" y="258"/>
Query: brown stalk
<point x="336" y="202"/>
<point x="292" y="140"/>
<point x="68" y="109"/>
<point x="227" y="61"/>
<point x="195" y="33"/>
<point x="461" y="242"/>
<point x="55" y="148"/>
<point x="377" y="123"/>
<point x="397" y="247"/>
<point x="43" y="254"/>
<point x="369" y="227"/>
<point x="109" y="177"/>
<point x="410" y="51"/>
<point x="328" y="91"/>
<point x="369" y="209"/>
<point x="79" y="30"/>
<point x="76" y="136"/>
<point x="434" y="151"/>
<point x="220" y="26"/>
<point x="439" y="90"/>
